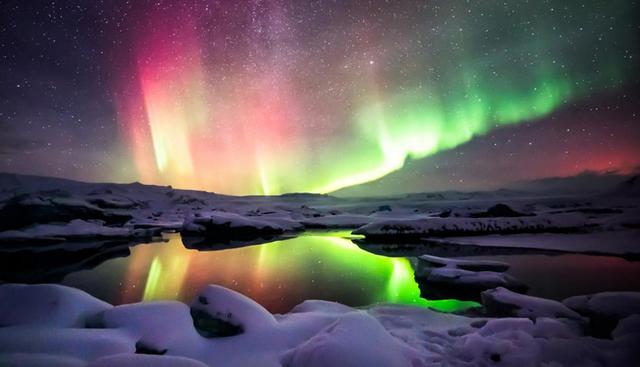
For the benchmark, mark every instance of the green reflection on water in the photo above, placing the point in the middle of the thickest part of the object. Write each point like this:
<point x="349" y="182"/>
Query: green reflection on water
<point x="319" y="265"/>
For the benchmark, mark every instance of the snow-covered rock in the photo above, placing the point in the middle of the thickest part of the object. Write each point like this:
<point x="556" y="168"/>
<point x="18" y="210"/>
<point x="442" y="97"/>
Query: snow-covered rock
<point x="47" y="305"/>
<point x="605" y="310"/>
<point x="398" y="229"/>
<point x="505" y="303"/>
<point x="233" y="308"/>
<point x="156" y="326"/>
<point x="464" y="264"/>
<point x="445" y="283"/>
<point x="443" y="278"/>
<point x="77" y="229"/>
<point x="232" y="225"/>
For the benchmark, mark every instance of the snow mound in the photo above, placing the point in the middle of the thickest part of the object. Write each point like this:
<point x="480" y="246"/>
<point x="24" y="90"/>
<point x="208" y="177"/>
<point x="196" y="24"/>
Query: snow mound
<point x="505" y="303"/>
<point x="47" y="305"/>
<point x="220" y="303"/>
<point x="314" y="333"/>
<point x="354" y="340"/>
<point x="156" y="326"/>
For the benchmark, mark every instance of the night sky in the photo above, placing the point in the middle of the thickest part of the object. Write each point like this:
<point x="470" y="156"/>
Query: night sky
<point x="266" y="97"/>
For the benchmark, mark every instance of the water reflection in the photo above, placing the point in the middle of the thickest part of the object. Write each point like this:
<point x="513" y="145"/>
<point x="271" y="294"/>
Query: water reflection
<point x="278" y="275"/>
<point x="281" y="274"/>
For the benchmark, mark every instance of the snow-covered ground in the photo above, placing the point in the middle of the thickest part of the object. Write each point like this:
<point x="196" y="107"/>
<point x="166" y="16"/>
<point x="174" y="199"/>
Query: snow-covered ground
<point x="50" y="325"/>
<point x="48" y="210"/>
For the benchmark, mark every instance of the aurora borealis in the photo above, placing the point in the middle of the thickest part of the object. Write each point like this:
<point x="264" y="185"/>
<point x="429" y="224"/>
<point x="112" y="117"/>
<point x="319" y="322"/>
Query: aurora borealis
<point x="268" y="97"/>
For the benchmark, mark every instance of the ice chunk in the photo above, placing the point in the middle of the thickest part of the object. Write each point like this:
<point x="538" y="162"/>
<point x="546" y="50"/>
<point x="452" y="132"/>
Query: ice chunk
<point x="503" y="302"/>
<point x="444" y="283"/>
<point x="471" y="265"/>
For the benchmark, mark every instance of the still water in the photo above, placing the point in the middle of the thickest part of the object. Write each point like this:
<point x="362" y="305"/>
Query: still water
<point x="281" y="274"/>
<point x="278" y="275"/>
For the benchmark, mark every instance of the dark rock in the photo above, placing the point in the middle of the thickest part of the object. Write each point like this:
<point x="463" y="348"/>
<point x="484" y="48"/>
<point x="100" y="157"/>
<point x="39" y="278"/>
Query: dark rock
<point x="145" y="349"/>
<point x="209" y="326"/>
<point x="499" y="210"/>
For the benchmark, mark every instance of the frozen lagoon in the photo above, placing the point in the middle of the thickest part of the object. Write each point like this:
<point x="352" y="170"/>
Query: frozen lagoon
<point x="325" y="265"/>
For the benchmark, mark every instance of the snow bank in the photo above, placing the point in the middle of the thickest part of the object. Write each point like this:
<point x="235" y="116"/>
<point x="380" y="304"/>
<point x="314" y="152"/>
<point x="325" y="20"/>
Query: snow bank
<point x="77" y="229"/>
<point x="57" y="206"/>
<point x="619" y="242"/>
<point x="234" y="308"/>
<point x="627" y="326"/>
<point x="229" y="225"/>
<point x="338" y="221"/>
<point x="47" y="305"/>
<point x="505" y="303"/>
<point x="417" y="229"/>
<point x="315" y="333"/>
<point x="356" y="339"/>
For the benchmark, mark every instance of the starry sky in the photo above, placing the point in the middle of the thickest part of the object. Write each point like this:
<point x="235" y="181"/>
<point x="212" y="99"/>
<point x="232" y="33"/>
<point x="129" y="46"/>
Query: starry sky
<point x="266" y="97"/>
